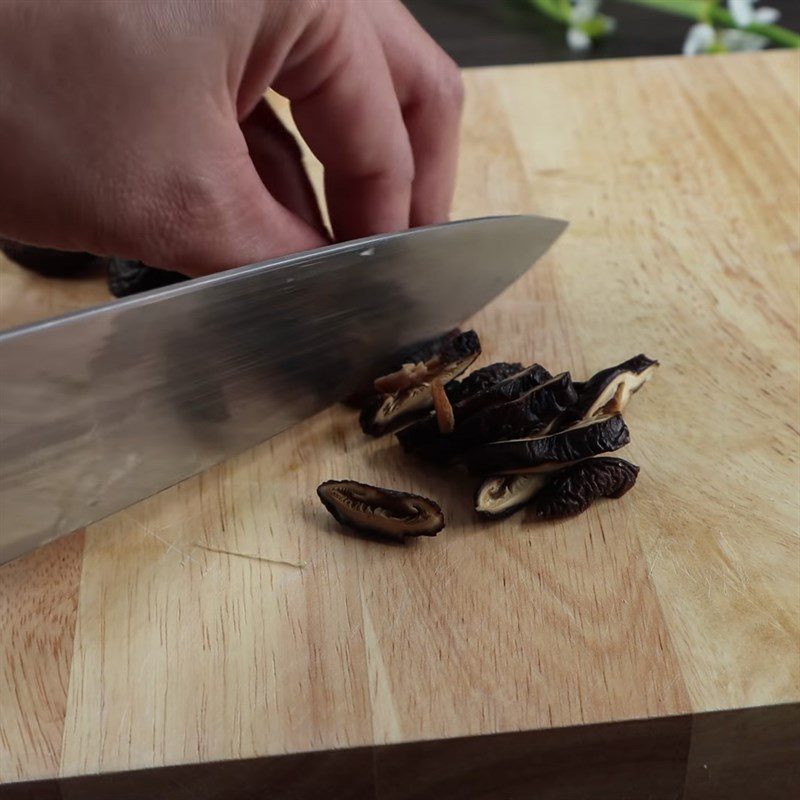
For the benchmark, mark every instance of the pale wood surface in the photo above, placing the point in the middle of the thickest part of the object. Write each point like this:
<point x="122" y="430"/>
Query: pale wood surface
<point x="130" y="647"/>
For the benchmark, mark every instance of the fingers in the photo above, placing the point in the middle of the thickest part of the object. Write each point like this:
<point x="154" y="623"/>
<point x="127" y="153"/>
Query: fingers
<point x="345" y="106"/>
<point x="278" y="161"/>
<point x="430" y="92"/>
<point x="211" y="212"/>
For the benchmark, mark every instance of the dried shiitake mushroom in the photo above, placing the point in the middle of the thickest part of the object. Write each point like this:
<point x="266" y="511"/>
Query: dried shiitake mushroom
<point x="538" y="439"/>
<point x="550" y="451"/>
<point x="388" y="411"/>
<point x="442" y="408"/>
<point x="481" y="379"/>
<point x="572" y="490"/>
<point x="423" y="438"/>
<point x="417" y="354"/>
<point x="381" y="512"/>
<point x="502" y="495"/>
<point x="508" y="389"/>
<point x="526" y="415"/>
<point x="46" y="261"/>
<point x="608" y="391"/>
<point x="126" y="277"/>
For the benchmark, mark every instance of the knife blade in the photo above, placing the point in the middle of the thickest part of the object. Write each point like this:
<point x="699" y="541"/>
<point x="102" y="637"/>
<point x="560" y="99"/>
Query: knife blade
<point x="106" y="406"/>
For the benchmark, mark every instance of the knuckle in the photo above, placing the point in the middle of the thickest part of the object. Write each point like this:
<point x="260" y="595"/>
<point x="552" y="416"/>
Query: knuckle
<point x="403" y="166"/>
<point x="450" y="83"/>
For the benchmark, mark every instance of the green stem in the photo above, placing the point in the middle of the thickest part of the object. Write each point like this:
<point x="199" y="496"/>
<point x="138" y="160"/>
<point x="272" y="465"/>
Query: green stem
<point x="695" y="9"/>
<point x="554" y="9"/>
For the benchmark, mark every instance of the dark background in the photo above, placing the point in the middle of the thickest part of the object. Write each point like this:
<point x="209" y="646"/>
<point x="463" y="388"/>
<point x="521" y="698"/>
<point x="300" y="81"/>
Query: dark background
<point x="482" y="32"/>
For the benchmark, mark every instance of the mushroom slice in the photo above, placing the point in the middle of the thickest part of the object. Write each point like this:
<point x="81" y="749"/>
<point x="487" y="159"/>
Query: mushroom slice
<point x="608" y="391"/>
<point x="481" y="379"/>
<point x="442" y="408"/>
<point x="508" y="389"/>
<point x="382" y="512"/>
<point x="418" y="353"/>
<point x="389" y="411"/>
<point x="45" y="261"/>
<point x="423" y="438"/>
<point x="572" y="490"/>
<point x="550" y="451"/>
<point x="502" y="495"/>
<point x="126" y="277"/>
<point x="528" y="414"/>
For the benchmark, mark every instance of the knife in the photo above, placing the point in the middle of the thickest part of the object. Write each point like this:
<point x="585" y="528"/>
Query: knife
<point x="103" y="407"/>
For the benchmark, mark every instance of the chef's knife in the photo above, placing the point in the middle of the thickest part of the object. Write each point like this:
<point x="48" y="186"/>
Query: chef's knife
<point x="101" y="408"/>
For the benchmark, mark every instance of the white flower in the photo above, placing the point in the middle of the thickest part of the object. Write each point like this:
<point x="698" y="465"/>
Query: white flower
<point x="699" y="39"/>
<point x="578" y="40"/>
<point x="737" y="41"/>
<point x="584" y="17"/>
<point x="744" y="14"/>
<point x="766" y="15"/>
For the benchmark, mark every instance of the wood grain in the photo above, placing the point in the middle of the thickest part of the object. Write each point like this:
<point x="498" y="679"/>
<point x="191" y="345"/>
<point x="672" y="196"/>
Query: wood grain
<point x="681" y="181"/>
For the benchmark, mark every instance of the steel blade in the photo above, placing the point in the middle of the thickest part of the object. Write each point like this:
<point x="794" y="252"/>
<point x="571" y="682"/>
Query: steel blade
<point x="107" y="406"/>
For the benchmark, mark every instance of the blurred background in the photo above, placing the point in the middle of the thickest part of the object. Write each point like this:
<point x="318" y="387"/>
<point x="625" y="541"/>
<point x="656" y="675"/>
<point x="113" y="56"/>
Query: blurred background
<point x="483" y="32"/>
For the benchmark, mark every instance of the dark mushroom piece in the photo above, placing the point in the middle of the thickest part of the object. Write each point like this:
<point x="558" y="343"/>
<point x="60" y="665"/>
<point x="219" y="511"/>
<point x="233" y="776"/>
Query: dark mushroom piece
<point x="423" y="438"/>
<point x="127" y="277"/>
<point x="550" y="451"/>
<point x="574" y="489"/>
<point x="528" y="414"/>
<point x="481" y="379"/>
<point x="509" y="389"/>
<point x="442" y="408"/>
<point x="502" y="495"/>
<point x="392" y="410"/>
<point x="381" y="512"/>
<point x="608" y="391"/>
<point x="418" y="353"/>
<point x="46" y="261"/>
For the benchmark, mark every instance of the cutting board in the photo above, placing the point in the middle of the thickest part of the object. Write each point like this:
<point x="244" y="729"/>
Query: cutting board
<point x="128" y="645"/>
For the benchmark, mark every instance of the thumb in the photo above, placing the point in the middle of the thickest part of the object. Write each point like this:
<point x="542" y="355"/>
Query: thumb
<point x="215" y="213"/>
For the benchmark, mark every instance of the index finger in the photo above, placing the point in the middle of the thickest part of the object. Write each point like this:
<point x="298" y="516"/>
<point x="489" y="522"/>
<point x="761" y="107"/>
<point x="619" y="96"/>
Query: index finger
<point x="345" y="106"/>
<point x="428" y="85"/>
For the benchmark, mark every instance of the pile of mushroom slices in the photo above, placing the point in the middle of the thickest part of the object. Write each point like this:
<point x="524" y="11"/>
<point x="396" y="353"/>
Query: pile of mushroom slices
<point x="534" y="438"/>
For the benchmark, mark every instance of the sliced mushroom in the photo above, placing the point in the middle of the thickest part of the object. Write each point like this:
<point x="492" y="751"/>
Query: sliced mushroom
<point x="481" y="379"/>
<point x="551" y="451"/>
<point x="573" y="490"/>
<point x="502" y="495"/>
<point x="126" y="277"/>
<point x="423" y="438"/>
<point x="382" y="512"/>
<point x="508" y="389"/>
<point x="608" y="391"/>
<point x="388" y="412"/>
<point x="418" y="354"/>
<point x="528" y="414"/>
<point x="442" y="408"/>
<point x="45" y="261"/>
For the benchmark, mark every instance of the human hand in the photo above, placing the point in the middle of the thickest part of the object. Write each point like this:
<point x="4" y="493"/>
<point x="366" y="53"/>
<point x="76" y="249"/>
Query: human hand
<point x="139" y="129"/>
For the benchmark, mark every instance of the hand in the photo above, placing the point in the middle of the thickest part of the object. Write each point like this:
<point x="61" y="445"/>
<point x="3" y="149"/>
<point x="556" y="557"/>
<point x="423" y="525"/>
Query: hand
<point x="138" y="128"/>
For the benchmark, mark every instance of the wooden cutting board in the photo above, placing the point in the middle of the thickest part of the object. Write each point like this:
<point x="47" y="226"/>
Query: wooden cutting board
<point x="128" y="645"/>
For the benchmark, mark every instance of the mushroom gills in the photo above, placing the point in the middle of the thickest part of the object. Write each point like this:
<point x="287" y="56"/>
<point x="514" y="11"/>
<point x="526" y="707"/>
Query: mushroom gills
<point x="381" y="512"/>
<point x="542" y="453"/>
<point x="573" y="490"/>
<point x="387" y="412"/>
<point x="502" y="495"/>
